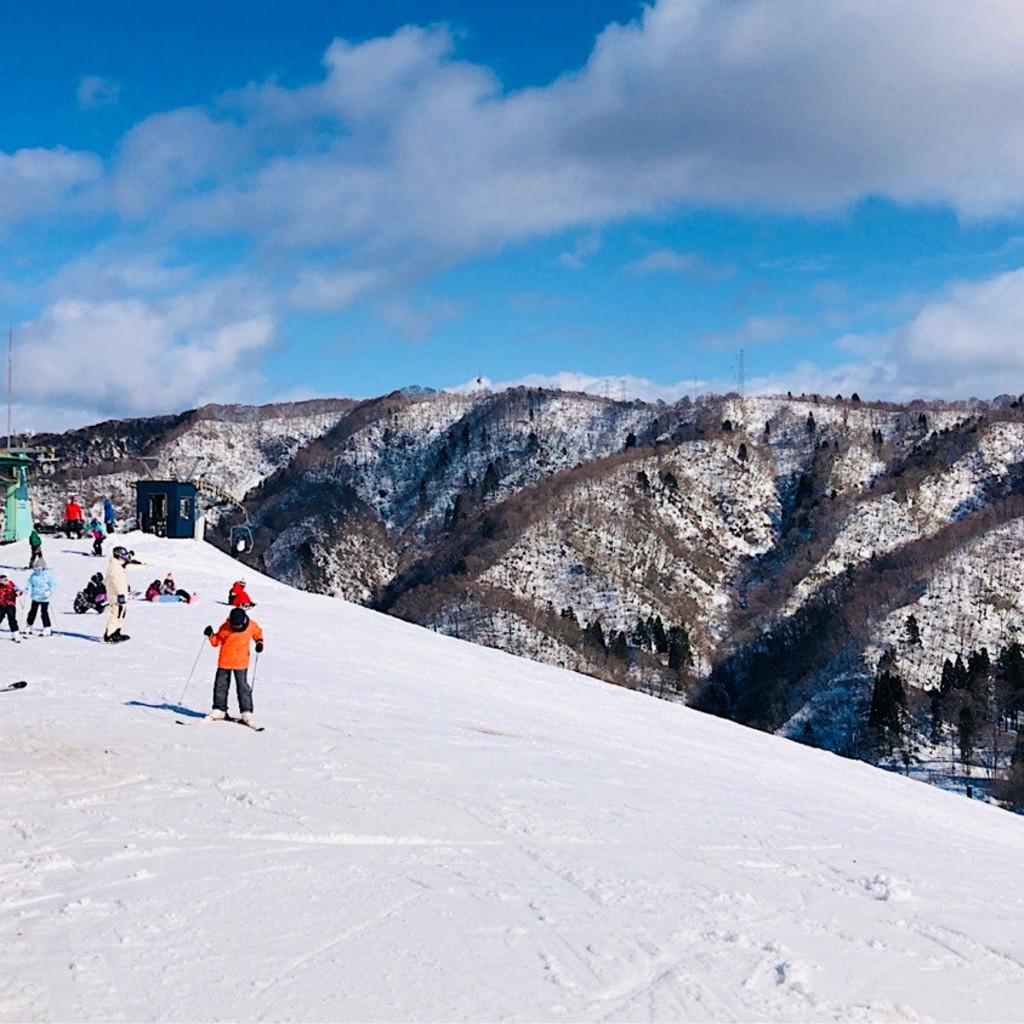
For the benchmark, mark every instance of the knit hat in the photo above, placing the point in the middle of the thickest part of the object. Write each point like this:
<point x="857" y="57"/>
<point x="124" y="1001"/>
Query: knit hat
<point x="238" y="619"/>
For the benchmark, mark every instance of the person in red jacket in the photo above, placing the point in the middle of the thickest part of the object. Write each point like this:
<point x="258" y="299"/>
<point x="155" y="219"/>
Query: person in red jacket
<point x="233" y="639"/>
<point x="9" y="606"/>
<point x="74" y="519"/>
<point x="238" y="598"/>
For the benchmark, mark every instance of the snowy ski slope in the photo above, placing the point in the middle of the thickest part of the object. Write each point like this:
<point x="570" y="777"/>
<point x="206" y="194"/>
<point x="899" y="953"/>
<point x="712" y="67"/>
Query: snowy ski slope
<point x="433" y="831"/>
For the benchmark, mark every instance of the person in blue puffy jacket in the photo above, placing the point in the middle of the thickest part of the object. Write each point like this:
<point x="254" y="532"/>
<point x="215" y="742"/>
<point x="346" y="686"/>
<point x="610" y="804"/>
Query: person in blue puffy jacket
<point x="40" y="589"/>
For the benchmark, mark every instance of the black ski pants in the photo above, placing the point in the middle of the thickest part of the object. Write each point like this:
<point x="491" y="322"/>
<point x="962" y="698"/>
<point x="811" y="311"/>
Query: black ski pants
<point x="39" y="606"/>
<point x="10" y="613"/>
<point x="222" y="683"/>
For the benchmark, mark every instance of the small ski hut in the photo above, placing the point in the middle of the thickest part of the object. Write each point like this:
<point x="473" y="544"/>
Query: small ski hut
<point x="14" y="466"/>
<point x="166" y="508"/>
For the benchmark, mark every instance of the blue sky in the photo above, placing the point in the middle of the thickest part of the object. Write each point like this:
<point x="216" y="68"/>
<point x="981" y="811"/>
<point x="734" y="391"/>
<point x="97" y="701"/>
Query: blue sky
<point x="252" y="202"/>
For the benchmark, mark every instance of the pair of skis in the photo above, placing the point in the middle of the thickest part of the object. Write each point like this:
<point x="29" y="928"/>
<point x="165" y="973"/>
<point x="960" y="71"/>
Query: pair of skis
<point x="227" y="718"/>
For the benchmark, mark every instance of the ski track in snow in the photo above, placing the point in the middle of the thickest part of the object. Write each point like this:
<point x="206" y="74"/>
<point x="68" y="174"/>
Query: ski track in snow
<point x="432" y="831"/>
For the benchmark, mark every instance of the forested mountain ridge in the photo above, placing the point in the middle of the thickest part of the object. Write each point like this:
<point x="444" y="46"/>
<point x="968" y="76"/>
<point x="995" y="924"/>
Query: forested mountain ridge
<point x="758" y="557"/>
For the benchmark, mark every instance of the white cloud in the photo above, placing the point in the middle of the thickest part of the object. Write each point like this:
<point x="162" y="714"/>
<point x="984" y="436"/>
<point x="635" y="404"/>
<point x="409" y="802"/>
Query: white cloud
<point x="806" y="106"/>
<point x="756" y="330"/>
<point x="666" y="261"/>
<point x="138" y="357"/>
<point x="576" y="258"/>
<point x="670" y="261"/>
<point x="402" y="160"/>
<point x="324" y="290"/>
<point x="34" y="182"/>
<point x="95" y="92"/>
<point x="978" y="323"/>
<point x="964" y="343"/>
<point x="169" y="156"/>
<point x="775" y="103"/>
<point x="417" y="321"/>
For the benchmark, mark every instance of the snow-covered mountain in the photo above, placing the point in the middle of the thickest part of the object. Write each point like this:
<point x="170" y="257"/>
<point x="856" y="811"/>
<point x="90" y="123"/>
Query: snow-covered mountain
<point x="757" y="557"/>
<point x="430" y="830"/>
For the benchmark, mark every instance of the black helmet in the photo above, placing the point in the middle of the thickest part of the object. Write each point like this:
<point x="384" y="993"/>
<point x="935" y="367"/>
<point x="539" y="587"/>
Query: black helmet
<point x="238" y="620"/>
<point x="120" y="552"/>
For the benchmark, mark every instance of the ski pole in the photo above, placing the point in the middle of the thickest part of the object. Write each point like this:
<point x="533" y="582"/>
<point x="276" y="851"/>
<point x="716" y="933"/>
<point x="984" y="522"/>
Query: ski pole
<point x="255" y="665"/>
<point x="193" y="672"/>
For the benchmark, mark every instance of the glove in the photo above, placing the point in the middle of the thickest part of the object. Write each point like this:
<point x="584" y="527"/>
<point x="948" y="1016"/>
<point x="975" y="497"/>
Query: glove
<point x="259" y="646"/>
<point x="208" y="631"/>
<point x="120" y="598"/>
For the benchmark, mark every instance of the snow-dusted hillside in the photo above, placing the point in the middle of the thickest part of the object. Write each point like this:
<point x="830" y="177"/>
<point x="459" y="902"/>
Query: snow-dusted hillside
<point x="232" y="448"/>
<point x="748" y="554"/>
<point x="428" y="830"/>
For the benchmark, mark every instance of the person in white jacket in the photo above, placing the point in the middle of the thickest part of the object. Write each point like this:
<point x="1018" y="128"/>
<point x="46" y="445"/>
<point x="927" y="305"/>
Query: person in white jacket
<point x="116" y="583"/>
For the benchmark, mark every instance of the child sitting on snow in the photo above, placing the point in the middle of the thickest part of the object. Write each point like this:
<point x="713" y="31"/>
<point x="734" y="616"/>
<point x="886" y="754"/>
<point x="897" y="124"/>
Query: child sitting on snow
<point x="166" y="591"/>
<point x="238" y="598"/>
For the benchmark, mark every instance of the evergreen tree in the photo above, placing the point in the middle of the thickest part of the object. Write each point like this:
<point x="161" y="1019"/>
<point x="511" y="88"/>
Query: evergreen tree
<point x="888" y="702"/>
<point x="937" y="719"/>
<point x="594" y="635"/>
<point x="680" y="654"/>
<point x="658" y="635"/>
<point x="977" y="674"/>
<point x="913" y="634"/>
<point x="967" y="732"/>
<point x="948" y="678"/>
<point x="1010" y="670"/>
<point x="1017" y="757"/>
<point x="960" y="676"/>
<point x="641" y="636"/>
<point x="491" y="479"/>
<point x="619" y="646"/>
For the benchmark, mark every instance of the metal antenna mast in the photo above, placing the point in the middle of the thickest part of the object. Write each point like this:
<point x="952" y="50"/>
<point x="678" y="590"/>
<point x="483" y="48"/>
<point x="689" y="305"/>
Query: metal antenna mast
<point x="10" y="380"/>
<point x="741" y="374"/>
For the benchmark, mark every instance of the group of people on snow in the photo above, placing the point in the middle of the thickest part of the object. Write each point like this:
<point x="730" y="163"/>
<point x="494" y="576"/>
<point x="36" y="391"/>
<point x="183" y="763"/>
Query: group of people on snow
<point x="40" y="587"/>
<point x="111" y="590"/>
<point x="168" y="590"/>
<point x="100" y="525"/>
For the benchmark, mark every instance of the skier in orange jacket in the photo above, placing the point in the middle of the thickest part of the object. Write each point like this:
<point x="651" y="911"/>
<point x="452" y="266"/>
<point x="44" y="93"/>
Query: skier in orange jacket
<point x="233" y="639"/>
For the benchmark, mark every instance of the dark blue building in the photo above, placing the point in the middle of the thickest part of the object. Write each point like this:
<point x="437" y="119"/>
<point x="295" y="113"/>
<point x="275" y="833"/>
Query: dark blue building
<point x="166" y="508"/>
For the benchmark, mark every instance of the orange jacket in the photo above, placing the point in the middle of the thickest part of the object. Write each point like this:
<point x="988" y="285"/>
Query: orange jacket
<point x="234" y="645"/>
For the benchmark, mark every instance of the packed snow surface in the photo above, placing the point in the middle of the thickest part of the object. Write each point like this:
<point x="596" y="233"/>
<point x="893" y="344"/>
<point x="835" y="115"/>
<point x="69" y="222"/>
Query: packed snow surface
<point x="429" y="831"/>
